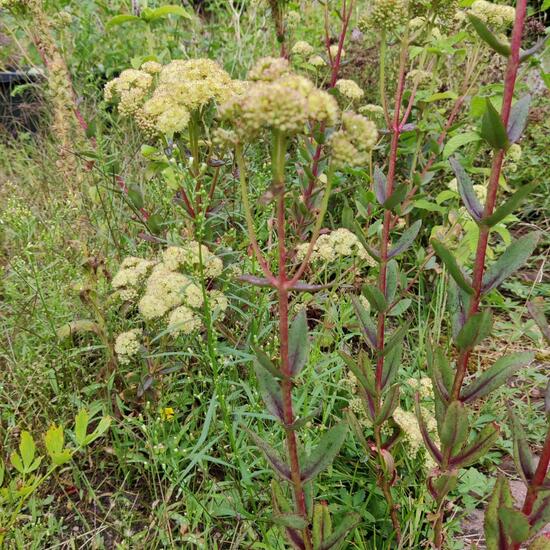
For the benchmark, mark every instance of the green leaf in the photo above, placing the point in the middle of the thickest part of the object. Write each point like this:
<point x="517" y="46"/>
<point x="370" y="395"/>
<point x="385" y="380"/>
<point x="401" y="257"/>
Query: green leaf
<point x="452" y="266"/>
<point x="78" y="327"/>
<point x="81" y="426"/>
<point x="120" y="19"/>
<point x="540" y="516"/>
<point x="473" y="452"/>
<point x="400" y="307"/>
<point x="515" y="524"/>
<point x="523" y="457"/>
<point x="511" y="260"/>
<point x="298" y="343"/>
<point x="492" y="128"/>
<point x="322" y="524"/>
<point x="392" y="362"/>
<point x="363" y="375"/>
<point x="293" y="521"/>
<point x="487" y="36"/>
<point x="495" y="376"/>
<point x="406" y="239"/>
<point x="348" y="523"/>
<point x="441" y="95"/>
<point x="389" y="405"/>
<point x="458" y="303"/>
<point x="476" y="329"/>
<point x="375" y="297"/>
<point x="519" y="115"/>
<point x="265" y="362"/>
<point x="54" y="440"/>
<point x="101" y="428"/>
<point x="510" y="205"/>
<point x="392" y="276"/>
<point x="368" y="330"/>
<point x="537" y="313"/>
<point x="273" y="458"/>
<point x="495" y="538"/>
<point x="135" y="196"/>
<point x="325" y="452"/>
<point x="270" y="391"/>
<point x="455" y="427"/>
<point x="27" y="449"/>
<point x="428" y="441"/>
<point x="466" y="191"/>
<point x="380" y="185"/>
<point x="440" y="373"/>
<point x="396" y="197"/>
<point x="163" y="11"/>
<point x="17" y="463"/>
<point x="459" y="141"/>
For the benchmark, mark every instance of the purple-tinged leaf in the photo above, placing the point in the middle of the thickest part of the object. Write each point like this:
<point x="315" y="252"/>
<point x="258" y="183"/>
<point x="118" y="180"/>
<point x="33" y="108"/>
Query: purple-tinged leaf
<point x="537" y="313"/>
<point x="462" y="280"/>
<point x="294" y="521"/>
<point x="273" y="458"/>
<point x="514" y="523"/>
<point x="523" y="458"/>
<point x="392" y="362"/>
<point x="375" y="297"/>
<point x="547" y="400"/>
<point x="511" y="260"/>
<point x="264" y="361"/>
<point x="483" y="442"/>
<point x="509" y="206"/>
<point x="458" y="305"/>
<point x="363" y="374"/>
<point x="395" y="339"/>
<point x="496" y="375"/>
<point x="409" y="127"/>
<point x="298" y="344"/>
<point x="295" y="538"/>
<point x="270" y="391"/>
<point x="519" y="115"/>
<point x="358" y="231"/>
<point x="388" y="405"/>
<point x="476" y="329"/>
<point x="466" y="190"/>
<point x="501" y="496"/>
<point x="380" y="183"/>
<point x="256" y="281"/>
<point x="325" y="452"/>
<point x="455" y="427"/>
<point x="541" y="515"/>
<point x="348" y="523"/>
<point x="367" y="327"/>
<point x="430" y="445"/>
<point x="526" y="54"/>
<point x="301" y="286"/>
<point x="406" y="240"/>
<point x="440" y="372"/>
<point x="322" y="524"/>
<point x="397" y="197"/>
<point x="357" y="430"/>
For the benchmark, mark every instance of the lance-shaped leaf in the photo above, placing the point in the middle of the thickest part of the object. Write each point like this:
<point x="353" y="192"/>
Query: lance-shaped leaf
<point x="358" y="232"/>
<point x="406" y="240"/>
<point x="458" y="305"/>
<point x="357" y="430"/>
<point x="452" y="266"/>
<point x="368" y="329"/>
<point x="511" y="260"/>
<point x="514" y="523"/>
<point x="293" y="521"/>
<point x="396" y="338"/>
<point x="120" y="19"/>
<point x="301" y="286"/>
<point x="270" y="390"/>
<point x="163" y="11"/>
<point x="540" y="517"/>
<point x="325" y="452"/>
<point x="476" y="329"/>
<point x="430" y="445"/>
<point x="364" y="375"/>
<point x="392" y="276"/>
<point x="466" y="190"/>
<point x="295" y="538"/>
<point x="375" y="297"/>
<point x="482" y="443"/>
<point x="256" y="281"/>
<point x="496" y="375"/>
<point x="298" y="343"/>
<point x="322" y="524"/>
<point x="392" y="362"/>
<point x="537" y="313"/>
<point x="396" y="197"/>
<point x="264" y="361"/>
<point x="455" y="427"/>
<point x="492" y="127"/>
<point x="388" y="406"/>
<point x="510" y="205"/>
<point x="440" y="372"/>
<point x="445" y="483"/>
<point x="495" y="537"/>
<point x="273" y="458"/>
<point x="547" y="400"/>
<point x="348" y="523"/>
<point x="380" y="183"/>
<point x="487" y="36"/>
<point x="523" y="458"/>
<point x="519" y="115"/>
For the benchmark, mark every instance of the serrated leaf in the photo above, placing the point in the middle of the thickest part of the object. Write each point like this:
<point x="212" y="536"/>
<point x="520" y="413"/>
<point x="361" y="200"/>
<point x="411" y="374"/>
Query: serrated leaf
<point x="455" y="427"/>
<point x="452" y="266"/>
<point x="81" y="426"/>
<point x="265" y="362"/>
<point x="406" y="240"/>
<point x="492" y="127"/>
<point x="510" y="261"/>
<point x="368" y="330"/>
<point x="466" y="191"/>
<point x="298" y="343"/>
<point x="476" y="329"/>
<point x="523" y="457"/>
<point x="325" y="452"/>
<point x="273" y="458"/>
<point x="519" y="115"/>
<point x="375" y="297"/>
<point x="510" y="205"/>
<point x="473" y="452"/>
<point x="496" y="375"/>
<point x="515" y="524"/>
<point x="396" y="197"/>
<point x="348" y="523"/>
<point x="380" y="185"/>
<point x="487" y="36"/>
<point x="270" y="390"/>
<point x="495" y="538"/>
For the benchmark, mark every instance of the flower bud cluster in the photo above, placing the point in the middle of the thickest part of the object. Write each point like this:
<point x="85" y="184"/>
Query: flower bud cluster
<point x="495" y="15"/>
<point x="385" y="15"/>
<point x="351" y="145"/>
<point x="349" y="89"/>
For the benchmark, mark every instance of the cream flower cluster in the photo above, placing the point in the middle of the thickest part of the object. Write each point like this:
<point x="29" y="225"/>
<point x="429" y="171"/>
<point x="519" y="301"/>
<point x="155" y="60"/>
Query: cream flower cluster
<point x="127" y="345"/>
<point x="408" y="422"/>
<point x="316" y="61"/>
<point x="340" y="243"/>
<point x="167" y="286"/>
<point x="351" y="144"/>
<point x="387" y="15"/>
<point x="161" y="98"/>
<point x="349" y="89"/>
<point x="444" y="10"/>
<point x="278" y="99"/>
<point x="493" y="14"/>
<point x="302" y="48"/>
